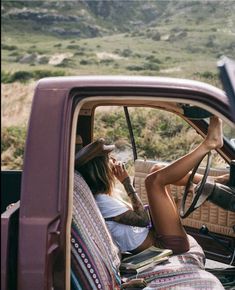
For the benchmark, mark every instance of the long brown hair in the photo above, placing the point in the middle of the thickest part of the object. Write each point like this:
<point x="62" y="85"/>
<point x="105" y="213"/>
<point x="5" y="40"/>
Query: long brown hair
<point x="98" y="175"/>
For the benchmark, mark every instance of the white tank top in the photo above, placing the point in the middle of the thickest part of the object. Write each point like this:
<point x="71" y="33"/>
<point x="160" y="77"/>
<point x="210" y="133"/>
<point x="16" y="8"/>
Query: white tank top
<point x="126" y="237"/>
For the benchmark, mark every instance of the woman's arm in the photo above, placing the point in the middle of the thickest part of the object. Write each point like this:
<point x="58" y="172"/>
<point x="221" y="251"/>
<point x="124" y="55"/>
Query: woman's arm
<point x="138" y="216"/>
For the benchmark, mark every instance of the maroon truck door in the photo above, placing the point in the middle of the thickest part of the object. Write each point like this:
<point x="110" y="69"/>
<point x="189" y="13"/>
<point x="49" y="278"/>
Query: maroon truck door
<point x="44" y="191"/>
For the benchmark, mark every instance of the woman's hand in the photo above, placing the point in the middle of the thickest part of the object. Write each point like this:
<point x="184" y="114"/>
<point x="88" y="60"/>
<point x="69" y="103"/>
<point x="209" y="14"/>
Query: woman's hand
<point x="138" y="215"/>
<point x="119" y="171"/>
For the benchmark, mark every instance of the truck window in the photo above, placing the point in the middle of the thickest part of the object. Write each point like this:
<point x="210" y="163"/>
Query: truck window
<point x="159" y="134"/>
<point x="110" y="124"/>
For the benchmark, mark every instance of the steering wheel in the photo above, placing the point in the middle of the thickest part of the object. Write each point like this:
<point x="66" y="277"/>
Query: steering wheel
<point x="198" y="190"/>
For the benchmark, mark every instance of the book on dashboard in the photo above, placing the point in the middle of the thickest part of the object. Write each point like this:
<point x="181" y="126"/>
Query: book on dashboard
<point x="152" y="255"/>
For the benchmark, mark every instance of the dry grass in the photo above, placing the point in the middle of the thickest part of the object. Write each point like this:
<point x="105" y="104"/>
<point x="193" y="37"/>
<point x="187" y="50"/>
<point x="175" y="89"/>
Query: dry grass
<point x="16" y="103"/>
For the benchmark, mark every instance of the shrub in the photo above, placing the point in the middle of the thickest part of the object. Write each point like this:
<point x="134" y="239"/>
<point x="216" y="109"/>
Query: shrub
<point x="21" y="76"/>
<point x="107" y="61"/>
<point x="38" y="74"/>
<point x="151" y="66"/>
<point x="193" y="49"/>
<point x="12" y="146"/>
<point x="125" y="52"/>
<point x="43" y="60"/>
<point x="211" y="41"/>
<point x="153" y="58"/>
<point x="15" y="53"/>
<point x="5" y="77"/>
<point x="156" y="36"/>
<point x="24" y="76"/>
<point x="146" y="66"/>
<point x="9" y="47"/>
<point x="88" y="61"/>
<point x="84" y="62"/>
<point x="79" y="53"/>
<point x="135" y="67"/>
<point x="73" y="46"/>
<point x="207" y="75"/>
<point x="66" y="63"/>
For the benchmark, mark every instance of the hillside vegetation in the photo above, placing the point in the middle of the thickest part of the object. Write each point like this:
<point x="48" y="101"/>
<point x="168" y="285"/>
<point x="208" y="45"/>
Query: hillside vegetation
<point x="157" y="38"/>
<point x="177" y="38"/>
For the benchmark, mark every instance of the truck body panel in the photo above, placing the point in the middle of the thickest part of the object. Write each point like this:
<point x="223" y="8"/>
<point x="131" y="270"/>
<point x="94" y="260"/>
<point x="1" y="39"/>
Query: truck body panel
<point x="44" y="193"/>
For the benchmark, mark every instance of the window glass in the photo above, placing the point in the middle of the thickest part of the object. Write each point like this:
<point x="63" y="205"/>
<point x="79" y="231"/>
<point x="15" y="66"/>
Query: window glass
<point x="159" y="135"/>
<point x="229" y="134"/>
<point x="110" y="124"/>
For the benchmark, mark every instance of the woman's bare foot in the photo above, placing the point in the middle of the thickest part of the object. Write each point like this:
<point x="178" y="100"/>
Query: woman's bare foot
<point x="214" y="138"/>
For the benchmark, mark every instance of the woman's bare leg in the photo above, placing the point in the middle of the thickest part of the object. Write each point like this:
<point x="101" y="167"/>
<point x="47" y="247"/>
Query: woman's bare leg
<point x="181" y="182"/>
<point x="163" y="210"/>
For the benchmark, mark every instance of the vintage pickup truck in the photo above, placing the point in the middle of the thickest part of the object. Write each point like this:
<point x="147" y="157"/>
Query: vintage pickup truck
<point x="37" y="203"/>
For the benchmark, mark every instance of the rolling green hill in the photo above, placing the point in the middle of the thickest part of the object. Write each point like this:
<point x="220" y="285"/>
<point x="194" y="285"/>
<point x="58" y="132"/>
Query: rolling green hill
<point x="176" y="38"/>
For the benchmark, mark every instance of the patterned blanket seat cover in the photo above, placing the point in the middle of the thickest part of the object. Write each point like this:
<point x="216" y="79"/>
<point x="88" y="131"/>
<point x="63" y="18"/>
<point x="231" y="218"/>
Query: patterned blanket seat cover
<point x="95" y="259"/>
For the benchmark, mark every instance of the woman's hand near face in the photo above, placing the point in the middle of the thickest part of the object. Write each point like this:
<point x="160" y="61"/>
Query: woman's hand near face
<point x="138" y="215"/>
<point x="119" y="171"/>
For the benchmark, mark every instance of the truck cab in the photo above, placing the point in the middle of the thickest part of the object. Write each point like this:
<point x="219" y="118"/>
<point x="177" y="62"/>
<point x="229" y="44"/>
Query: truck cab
<point x="36" y="229"/>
